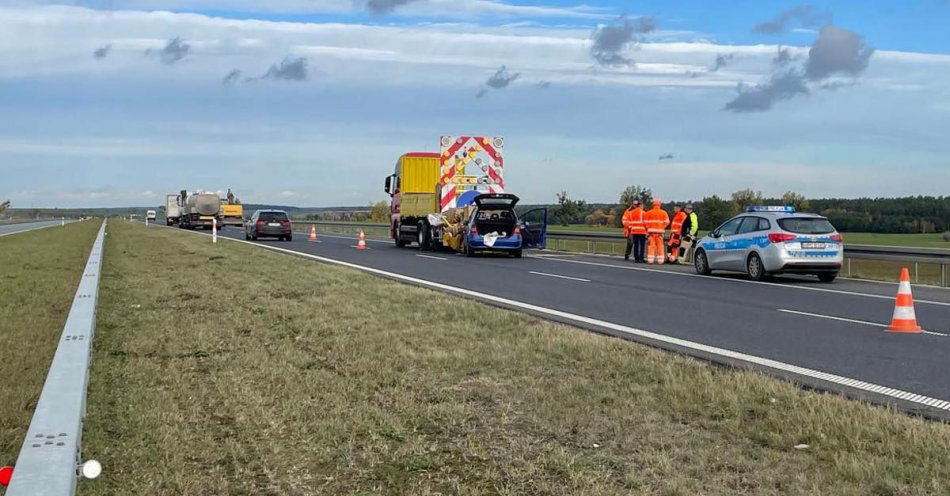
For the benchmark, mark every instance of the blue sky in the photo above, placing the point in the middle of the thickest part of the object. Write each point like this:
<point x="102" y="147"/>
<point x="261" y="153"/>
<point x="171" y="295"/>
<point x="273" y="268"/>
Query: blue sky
<point x="101" y="108"/>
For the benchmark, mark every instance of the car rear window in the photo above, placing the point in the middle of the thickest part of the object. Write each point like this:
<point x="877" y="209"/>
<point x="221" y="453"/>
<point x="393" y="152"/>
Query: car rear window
<point x="272" y="216"/>
<point x="805" y="225"/>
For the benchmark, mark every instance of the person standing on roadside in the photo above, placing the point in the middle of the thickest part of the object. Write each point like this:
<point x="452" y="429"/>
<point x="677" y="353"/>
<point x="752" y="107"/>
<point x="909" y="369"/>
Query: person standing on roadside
<point x="634" y="228"/>
<point x="690" y="229"/>
<point x="676" y="233"/>
<point x="656" y="220"/>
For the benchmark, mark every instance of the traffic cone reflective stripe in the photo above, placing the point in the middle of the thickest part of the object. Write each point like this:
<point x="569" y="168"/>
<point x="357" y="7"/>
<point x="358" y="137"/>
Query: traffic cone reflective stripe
<point x="361" y="244"/>
<point x="313" y="233"/>
<point x="905" y="319"/>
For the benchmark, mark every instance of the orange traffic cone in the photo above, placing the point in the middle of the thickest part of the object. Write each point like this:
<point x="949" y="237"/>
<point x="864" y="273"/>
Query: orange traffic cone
<point x="361" y="244"/>
<point x="905" y="319"/>
<point x="313" y="233"/>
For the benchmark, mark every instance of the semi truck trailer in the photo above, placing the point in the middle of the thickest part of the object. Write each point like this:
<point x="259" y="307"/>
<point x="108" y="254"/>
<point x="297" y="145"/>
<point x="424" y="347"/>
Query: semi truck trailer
<point x="172" y="210"/>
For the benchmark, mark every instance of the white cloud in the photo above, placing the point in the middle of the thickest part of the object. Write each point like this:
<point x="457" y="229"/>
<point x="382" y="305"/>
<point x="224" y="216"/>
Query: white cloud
<point x="455" y="9"/>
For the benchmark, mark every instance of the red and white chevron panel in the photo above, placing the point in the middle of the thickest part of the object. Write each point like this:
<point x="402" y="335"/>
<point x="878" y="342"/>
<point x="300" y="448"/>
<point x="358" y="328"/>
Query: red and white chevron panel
<point x="470" y="163"/>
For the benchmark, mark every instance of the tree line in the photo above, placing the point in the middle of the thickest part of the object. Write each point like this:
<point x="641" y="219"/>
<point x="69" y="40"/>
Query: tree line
<point x="917" y="214"/>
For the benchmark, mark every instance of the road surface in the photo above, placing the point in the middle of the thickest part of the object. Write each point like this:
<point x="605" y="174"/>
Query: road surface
<point x="796" y="328"/>
<point x="8" y="229"/>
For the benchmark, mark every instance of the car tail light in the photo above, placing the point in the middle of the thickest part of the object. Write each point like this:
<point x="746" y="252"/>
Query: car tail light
<point x="260" y="223"/>
<point x="285" y="223"/>
<point x="473" y="231"/>
<point x="781" y="237"/>
<point x="837" y="238"/>
<point x="517" y="232"/>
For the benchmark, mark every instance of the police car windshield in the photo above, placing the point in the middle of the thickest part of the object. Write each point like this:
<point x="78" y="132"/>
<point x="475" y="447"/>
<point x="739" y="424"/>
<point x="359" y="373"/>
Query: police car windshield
<point x="806" y="225"/>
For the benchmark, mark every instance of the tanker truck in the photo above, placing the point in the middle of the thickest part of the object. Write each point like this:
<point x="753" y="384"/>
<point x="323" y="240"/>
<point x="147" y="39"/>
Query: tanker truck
<point x="199" y="210"/>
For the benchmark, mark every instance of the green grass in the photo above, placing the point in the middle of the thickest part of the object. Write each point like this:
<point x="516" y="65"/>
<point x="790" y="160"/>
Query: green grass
<point x="914" y="240"/>
<point x="245" y="372"/>
<point x="39" y="275"/>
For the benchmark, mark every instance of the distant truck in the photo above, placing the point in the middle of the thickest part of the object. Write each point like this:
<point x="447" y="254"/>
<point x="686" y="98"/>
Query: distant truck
<point x="440" y="199"/>
<point x="232" y="211"/>
<point x="150" y="215"/>
<point x="198" y="210"/>
<point x="172" y="210"/>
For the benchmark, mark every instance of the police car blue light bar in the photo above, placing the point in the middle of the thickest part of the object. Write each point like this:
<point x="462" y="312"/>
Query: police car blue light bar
<point x="771" y="208"/>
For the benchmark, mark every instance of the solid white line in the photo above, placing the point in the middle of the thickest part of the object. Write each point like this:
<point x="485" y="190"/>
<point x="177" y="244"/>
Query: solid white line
<point x="746" y="281"/>
<point x="851" y="320"/>
<point x="558" y="276"/>
<point x="430" y="256"/>
<point x="721" y="352"/>
<point x="832" y="317"/>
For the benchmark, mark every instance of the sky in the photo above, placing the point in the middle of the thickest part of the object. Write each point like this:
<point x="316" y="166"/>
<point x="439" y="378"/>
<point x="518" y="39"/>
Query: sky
<point x="310" y="102"/>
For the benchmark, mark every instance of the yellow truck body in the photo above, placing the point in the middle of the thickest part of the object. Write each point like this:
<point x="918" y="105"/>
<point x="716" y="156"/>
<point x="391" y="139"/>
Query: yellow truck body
<point x="418" y="176"/>
<point x="232" y="214"/>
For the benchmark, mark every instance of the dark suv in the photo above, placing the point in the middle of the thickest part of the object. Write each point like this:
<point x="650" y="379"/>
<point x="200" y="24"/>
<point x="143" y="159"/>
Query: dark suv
<point x="269" y="224"/>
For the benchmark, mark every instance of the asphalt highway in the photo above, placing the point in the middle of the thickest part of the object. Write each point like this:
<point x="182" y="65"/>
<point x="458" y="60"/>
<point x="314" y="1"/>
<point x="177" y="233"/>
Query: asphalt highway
<point x="7" y="229"/>
<point x="796" y="322"/>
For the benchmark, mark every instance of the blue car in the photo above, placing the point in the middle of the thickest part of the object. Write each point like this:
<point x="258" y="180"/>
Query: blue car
<point x="496" y="227"/>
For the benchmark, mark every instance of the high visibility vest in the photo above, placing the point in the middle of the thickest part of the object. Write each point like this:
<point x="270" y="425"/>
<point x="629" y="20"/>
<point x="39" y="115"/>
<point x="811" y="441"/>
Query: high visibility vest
<point x="633" y="221"/>
<point x="657" y="219"/>
<point x="677" y="226"/>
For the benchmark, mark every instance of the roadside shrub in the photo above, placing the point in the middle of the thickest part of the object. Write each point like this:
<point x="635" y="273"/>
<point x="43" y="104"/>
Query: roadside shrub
<point x="946" y="236"/>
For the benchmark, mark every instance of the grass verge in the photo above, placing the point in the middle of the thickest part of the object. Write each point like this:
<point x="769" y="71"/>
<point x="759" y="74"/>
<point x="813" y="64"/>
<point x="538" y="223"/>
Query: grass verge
<point x="240" y="371"/>
<point x="39" y="273"/>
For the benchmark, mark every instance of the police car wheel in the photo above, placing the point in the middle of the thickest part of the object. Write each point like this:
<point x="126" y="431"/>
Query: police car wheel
<point x="701" y="263"/>
<point x="754" y="268"/>
<point x="827" y="276"/>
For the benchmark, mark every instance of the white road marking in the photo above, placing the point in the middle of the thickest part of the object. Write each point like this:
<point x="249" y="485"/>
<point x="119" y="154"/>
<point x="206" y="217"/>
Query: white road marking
<point x="559" y="276"/>
<point x="430" y="256"/>
<point x="368" y="239"/>
<point x="713" y="350"/>
<point x="746" y="281"/>
<point x="831" y="317"/>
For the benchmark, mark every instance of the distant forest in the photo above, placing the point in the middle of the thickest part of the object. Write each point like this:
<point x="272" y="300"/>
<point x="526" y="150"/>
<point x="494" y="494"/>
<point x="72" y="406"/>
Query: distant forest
<point x="917" y="214"/>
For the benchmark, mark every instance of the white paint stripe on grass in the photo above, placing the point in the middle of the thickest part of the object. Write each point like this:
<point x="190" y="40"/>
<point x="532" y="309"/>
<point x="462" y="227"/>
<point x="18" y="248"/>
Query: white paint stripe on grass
<point x="746" y="281"/>
<point x="559" y="276"/>
<point x="683" y="343"/>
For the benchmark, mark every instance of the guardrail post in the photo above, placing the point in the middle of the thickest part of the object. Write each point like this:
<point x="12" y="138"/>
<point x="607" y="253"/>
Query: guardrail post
<point x="943" y="275"/>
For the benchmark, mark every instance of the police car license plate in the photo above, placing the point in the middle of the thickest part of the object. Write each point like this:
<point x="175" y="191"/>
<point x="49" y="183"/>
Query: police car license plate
<point x="813" y="246"/>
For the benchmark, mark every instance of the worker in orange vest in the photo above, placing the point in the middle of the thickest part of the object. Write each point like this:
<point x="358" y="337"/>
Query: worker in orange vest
<point x="656" y="219"/>
<point x="676" y="233"/>
<point x="635" y="230"/>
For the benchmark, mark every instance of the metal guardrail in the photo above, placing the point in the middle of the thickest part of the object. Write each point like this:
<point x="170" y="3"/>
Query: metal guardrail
<point x="937" y="256"/>
<point x="49" y="460"/>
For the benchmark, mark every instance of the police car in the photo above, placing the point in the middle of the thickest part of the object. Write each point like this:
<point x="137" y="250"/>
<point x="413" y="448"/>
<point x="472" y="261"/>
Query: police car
<point x="772" y="240"/>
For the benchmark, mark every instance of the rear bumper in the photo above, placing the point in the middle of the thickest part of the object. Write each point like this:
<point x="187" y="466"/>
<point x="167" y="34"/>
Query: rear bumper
<point x="509" y="243"/>
<point x="275" y="232"/>
<point x="779" y="259"/>
<point x="809" y="268"/>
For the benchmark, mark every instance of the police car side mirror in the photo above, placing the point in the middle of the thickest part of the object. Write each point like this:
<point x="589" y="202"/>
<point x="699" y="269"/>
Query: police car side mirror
<point x="715" y="234"/>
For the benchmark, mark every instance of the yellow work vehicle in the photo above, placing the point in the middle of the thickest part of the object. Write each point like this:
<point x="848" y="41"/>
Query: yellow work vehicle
<point x="232" y="211"/>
